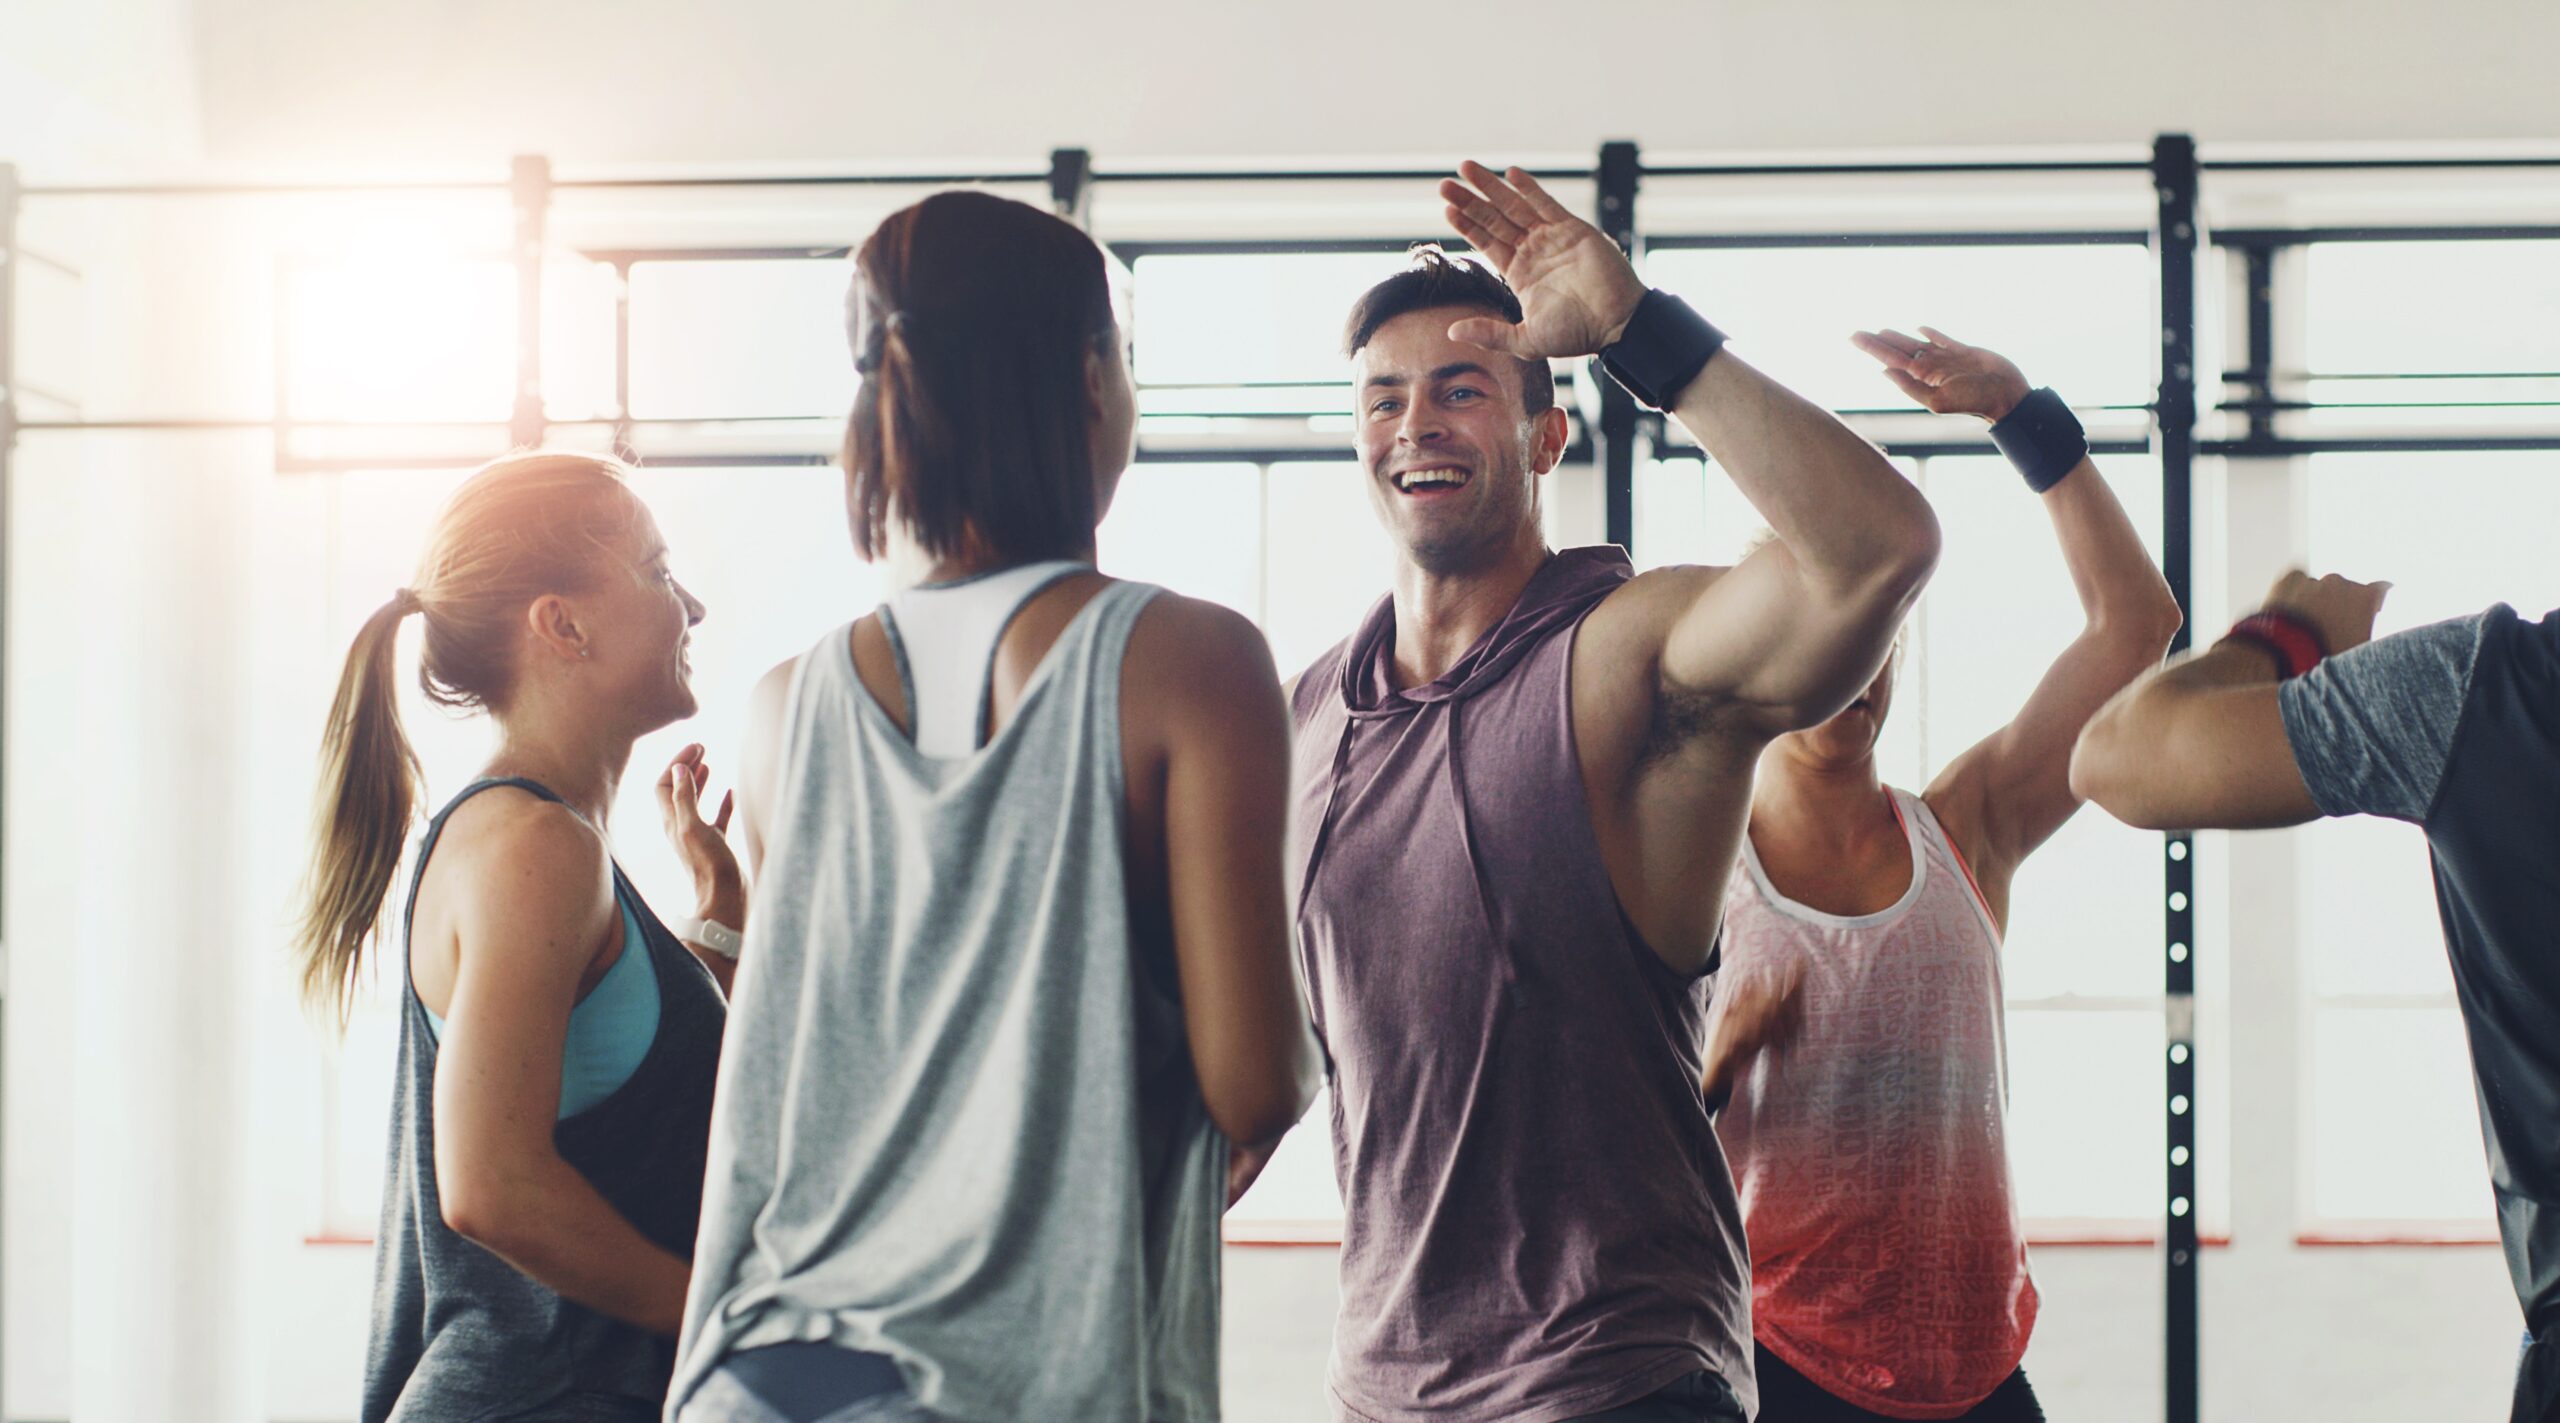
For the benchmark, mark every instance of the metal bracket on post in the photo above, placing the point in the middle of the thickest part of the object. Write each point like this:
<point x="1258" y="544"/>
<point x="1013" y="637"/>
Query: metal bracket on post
<point x="530" y="188"/>
<point x="1620" y="171"/>
<point x="1071" y="185"/>
<point x="2261" y="371"/>
<point x="2175" y="179"/>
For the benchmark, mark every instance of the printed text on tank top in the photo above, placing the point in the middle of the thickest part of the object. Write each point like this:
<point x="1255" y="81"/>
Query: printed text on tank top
<point x="1887" y="1263"/>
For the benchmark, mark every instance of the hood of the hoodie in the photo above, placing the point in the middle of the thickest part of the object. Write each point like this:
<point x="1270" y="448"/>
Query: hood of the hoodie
<point x="1560" y="592"/>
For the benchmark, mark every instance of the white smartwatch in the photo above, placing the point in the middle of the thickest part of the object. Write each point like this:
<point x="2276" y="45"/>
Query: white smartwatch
<point x="711" y="934"/>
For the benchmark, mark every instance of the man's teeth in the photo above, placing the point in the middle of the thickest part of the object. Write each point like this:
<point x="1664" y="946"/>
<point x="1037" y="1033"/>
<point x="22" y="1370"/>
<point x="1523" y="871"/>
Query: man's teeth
<point x="1417" y="477"/>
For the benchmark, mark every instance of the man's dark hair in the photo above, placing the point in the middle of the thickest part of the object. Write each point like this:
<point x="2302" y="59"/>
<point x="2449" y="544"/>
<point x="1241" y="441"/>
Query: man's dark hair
<point x="973" y="316"/>
<point x="1439" y="278"/>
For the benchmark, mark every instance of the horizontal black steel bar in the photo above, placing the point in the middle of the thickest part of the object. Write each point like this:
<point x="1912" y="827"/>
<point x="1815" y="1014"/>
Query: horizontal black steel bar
<point x="2304" y="236"/>
<point x="347" y="464"/>
<point x="350" y="464"/>
<point x="663" y="422"/>
<point x="1578" y="453"/>
<point x="2287" y="448"/>
<point x="633" y="256"/>
<point x="1931" y="449"/>
<point x="2290" y="376"/>
<point x="813" y="180"/>
<point x="1889" y="170"/>
<point x="1316" y="175"/>
<point x="214" y="424"/>
<point x="218" y="424"/>
<point x="751" y="460"/>
<point x="2094" y="237"/>
<point x="2247" y="405"/>
<point x="2360" y="165"/>
<point x="1278" y="247"/>
<point x="249" y="190"/>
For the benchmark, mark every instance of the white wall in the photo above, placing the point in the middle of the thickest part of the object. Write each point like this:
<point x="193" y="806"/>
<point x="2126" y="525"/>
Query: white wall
<point x="328" y="81"/>
<point x="115" y="932"/>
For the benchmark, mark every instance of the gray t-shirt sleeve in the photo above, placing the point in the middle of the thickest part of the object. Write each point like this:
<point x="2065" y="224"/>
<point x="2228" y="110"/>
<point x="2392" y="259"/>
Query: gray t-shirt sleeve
<point x="2372" y="727"/>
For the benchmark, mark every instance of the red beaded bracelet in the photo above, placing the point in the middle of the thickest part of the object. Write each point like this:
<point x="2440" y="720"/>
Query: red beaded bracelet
<point x="2294" y="643"/>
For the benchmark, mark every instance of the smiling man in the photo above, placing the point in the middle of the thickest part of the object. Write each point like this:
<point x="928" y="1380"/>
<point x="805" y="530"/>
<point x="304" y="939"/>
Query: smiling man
<point x="1522" y="783"/>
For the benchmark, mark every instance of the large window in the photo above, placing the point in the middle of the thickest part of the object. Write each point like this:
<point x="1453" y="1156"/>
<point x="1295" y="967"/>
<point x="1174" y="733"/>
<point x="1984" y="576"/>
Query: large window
<point x="1248" y="498"/>
<point x="2431" y="335"/>
<point x="2082" y="961"/>
<point x="2076" y="317"/>
<point x="2394" y="1136"/>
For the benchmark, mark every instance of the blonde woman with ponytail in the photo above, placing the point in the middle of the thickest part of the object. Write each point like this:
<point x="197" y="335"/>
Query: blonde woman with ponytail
<point x="557" y="1041"/>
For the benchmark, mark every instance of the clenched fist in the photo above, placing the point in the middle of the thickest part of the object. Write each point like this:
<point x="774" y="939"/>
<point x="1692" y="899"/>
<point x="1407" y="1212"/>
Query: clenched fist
<point x="2341" y="610"/>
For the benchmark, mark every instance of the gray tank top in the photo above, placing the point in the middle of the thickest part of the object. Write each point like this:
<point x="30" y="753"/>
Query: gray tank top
<point x="958" y="1123"/>
<point x="459" y="1333"/>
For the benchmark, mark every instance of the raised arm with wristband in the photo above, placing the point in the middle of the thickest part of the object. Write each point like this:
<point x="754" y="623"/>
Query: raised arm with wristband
<point x="1858" y="1025"/>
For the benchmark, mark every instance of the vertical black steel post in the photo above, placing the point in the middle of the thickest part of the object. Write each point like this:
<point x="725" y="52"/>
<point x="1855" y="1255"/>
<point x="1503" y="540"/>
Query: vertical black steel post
<point x="2261" y="370"/>
<point x="9" y="257"/>
<point x="2175" y="179"/>
<point x="1619" y="172"/>
<point x="1071" y="184"/>
<point x="530" y="188"/>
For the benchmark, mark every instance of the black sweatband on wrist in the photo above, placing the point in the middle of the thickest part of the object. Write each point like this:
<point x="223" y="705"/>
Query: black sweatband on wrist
<point x="2042" y="439"/>
<point x="1665" y="345"/>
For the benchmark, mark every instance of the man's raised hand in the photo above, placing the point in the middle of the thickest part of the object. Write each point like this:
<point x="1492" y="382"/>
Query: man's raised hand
<point x="1944" y="374"/>
<point x="1576" y="288"/>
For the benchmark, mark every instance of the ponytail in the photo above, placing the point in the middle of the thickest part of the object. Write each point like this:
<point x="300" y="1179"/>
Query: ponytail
<point x="525" y="525"/>
<point x="908" y="438"/>
<point x="368" y="790"/>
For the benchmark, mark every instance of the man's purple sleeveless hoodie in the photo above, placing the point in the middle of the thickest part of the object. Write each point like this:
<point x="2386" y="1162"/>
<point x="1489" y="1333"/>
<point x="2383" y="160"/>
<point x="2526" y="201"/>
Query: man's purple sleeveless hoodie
<point x="1539" y="1222"/>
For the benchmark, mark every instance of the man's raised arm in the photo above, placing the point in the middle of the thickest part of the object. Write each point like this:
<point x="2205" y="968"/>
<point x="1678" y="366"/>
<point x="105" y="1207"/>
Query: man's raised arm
<point x="1791" y="633"/>
<point x="2202" y="742"/>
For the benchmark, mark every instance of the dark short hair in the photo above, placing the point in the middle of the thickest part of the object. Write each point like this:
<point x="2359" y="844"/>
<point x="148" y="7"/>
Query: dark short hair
<point x="1441" y="278"/>
<point x="973" y="317"/>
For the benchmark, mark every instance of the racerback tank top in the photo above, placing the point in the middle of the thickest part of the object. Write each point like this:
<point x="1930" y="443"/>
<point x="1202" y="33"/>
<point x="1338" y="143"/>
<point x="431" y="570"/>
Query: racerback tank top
<point x="1871" y="1157"/>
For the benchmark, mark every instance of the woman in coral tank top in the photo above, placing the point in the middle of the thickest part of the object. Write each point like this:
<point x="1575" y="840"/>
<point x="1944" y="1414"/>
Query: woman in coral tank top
<point x="1857" y="1026"/>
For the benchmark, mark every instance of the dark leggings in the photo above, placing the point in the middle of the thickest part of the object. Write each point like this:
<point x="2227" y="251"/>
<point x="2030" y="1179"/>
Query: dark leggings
<point x="1699" y="1398"/>
<point x="804" y="1382"/>
<point x="1789" y="1397"/>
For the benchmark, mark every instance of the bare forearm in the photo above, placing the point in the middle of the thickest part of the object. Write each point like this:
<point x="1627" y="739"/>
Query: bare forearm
<point x="553" y="1225"/>
<point x="2121" y="591"/>
<point x="2197" y="744"/>
<point x="1840" y="506"/>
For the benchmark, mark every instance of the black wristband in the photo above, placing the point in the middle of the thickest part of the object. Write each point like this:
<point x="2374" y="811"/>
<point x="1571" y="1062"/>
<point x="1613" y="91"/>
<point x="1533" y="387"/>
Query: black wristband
<point x="1665" y="345"/>
<point x="2042" y="439"/>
